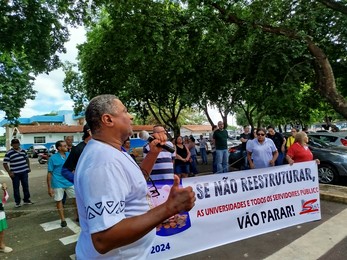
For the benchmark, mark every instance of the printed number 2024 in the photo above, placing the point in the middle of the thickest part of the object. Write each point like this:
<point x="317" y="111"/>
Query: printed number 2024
<point x="160" y="248"/>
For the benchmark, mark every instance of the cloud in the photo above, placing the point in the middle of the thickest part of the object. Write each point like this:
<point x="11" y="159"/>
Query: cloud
<point x="50" y="93"/>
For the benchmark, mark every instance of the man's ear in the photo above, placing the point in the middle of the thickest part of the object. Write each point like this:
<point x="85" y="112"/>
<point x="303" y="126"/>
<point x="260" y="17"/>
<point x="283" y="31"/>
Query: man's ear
<point x="106" y="119"/>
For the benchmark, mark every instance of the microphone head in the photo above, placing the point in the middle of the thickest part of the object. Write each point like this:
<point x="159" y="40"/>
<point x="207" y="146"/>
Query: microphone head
<point x="144" y="135"/>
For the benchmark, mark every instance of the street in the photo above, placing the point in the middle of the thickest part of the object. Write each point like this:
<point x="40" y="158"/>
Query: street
<point x="35" y="233"/>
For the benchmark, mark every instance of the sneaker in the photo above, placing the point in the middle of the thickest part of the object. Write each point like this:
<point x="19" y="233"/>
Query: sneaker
<point x="63" y="223"/>
<point x="6" y="249"/>
<point x="28" y="202"/>
<point x="18" y="205"/>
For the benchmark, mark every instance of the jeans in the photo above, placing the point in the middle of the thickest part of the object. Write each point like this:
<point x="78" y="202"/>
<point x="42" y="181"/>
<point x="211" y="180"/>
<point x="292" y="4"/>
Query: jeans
<point x="245" y="164"/>
<point x="222" y="160"/>
<point x="280" y="158"/>
<point x="193" y="168"/>
<point x="21" y="178"/>
<point x="214" y="162"/>
<point x="203" y="155"/>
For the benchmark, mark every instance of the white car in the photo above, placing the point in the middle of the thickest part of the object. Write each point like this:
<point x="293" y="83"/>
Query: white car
<point x="52" y="149"/>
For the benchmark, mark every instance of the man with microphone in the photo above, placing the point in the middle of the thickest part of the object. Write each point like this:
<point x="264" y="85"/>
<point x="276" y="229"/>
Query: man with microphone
<point x="163" y="166"/>
<point x="114" y="205"/>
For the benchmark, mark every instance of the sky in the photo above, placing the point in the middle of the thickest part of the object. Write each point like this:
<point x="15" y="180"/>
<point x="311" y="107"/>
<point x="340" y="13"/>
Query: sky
<point x="50" y="94"/>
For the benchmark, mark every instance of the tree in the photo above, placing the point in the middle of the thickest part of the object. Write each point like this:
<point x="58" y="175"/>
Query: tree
<point x="33" y="33"/>
<point x="306" y="22"/>
<point x="149" y="60"/>
<point x="163" y="57"/>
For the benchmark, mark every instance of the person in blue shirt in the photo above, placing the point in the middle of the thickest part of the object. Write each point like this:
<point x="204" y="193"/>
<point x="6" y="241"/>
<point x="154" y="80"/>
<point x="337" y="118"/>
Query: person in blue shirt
<point x="56" y="183"/>
<point x="261" y="151"/>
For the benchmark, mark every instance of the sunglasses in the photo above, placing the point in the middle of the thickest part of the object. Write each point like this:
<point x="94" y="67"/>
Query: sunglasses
<point x="260" y="134"/>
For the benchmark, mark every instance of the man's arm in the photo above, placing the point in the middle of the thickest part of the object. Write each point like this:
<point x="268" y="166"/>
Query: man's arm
<point x="10" y="173"/>
<point x="283" y="147"/>
<point x="28" y="162"/>
<point x="249" y="158"/>
<point x="154" y="150"/>
<point x="49" y="179"/>
<point x="249" y="154"/>
<point x="274" y="158"/>
<point x="131" y="229"/>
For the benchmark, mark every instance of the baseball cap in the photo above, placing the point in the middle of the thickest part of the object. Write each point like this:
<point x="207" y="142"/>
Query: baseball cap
<point x="15" y="141"/>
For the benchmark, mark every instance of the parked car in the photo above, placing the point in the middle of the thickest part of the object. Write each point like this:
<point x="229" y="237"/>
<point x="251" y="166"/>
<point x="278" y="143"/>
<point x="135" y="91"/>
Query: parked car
<point x="337" y="138"/>
<point x="333" y="160"/>
<point x="42" y="158"/>
<point x="236" y="159"/>
<point x="34" y="150"/>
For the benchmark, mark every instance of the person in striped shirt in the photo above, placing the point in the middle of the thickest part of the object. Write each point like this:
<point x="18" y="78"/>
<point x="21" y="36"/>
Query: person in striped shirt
<point x="17" y="165"/>
<point x="163" y="167"/>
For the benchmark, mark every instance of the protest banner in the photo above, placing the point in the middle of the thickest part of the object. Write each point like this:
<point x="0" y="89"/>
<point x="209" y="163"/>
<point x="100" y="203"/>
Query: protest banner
<point x="238" y="205"/>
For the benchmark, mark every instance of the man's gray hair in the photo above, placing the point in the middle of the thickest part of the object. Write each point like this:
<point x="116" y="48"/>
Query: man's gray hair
<point x="99" y="105"/>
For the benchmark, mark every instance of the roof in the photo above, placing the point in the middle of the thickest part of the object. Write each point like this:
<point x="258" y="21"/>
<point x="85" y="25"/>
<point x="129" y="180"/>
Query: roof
<point x="59" y="118"/>
<point x="35" y="119"/>
<point x="138" y="128"/>
<point x="50" y="129"/>
<point x="31" y="129"/>
<point x="197" y="128"/>
<point x="28" y="129"/>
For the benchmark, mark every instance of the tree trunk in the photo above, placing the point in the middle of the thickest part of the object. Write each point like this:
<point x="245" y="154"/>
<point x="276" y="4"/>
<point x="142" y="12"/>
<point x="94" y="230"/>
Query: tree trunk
<point x="325" y="80"/>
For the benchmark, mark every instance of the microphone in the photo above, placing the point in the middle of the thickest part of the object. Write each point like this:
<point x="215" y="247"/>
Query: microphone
<point x="164" y="146"/>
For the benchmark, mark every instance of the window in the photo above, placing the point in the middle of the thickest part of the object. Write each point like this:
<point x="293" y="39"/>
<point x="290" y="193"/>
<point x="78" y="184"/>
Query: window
<point x="39" y="139"/>
<point x="326" y="138"/>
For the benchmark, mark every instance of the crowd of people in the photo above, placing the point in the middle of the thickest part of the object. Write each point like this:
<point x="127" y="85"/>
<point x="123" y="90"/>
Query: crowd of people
<point x="267" y="147"/>
<point x="114" y="204"/>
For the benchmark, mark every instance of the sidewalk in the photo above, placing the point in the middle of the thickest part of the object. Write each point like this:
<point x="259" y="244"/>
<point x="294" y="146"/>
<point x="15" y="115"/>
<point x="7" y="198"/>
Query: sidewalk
<point x="333" y="193"/>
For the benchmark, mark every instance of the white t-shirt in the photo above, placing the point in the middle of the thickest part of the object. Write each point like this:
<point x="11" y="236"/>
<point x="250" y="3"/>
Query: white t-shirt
<point x="109" y="187"/>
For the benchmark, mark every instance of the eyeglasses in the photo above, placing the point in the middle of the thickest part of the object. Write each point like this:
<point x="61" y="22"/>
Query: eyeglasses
<point x="260" y="134"/>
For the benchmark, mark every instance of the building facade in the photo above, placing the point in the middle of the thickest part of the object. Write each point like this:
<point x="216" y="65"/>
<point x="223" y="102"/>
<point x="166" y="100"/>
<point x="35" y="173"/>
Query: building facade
<point x="47" y="129"/>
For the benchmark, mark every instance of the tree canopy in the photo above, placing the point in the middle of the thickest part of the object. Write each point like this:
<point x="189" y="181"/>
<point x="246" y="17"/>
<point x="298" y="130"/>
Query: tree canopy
<point x="269" y="58"/>
<point x="272" y="59"/>
<point x="33" y="33"/>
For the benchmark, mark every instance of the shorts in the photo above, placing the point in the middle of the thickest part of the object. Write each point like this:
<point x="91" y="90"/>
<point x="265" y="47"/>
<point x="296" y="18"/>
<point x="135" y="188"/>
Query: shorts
<point x="182" y="168"/>
<point x="59" y="193"/>
<point x="3" y="222"/>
